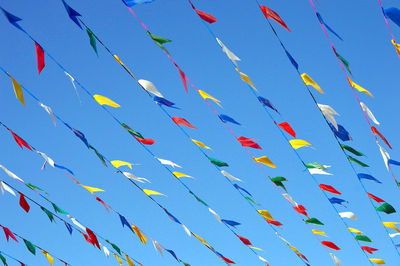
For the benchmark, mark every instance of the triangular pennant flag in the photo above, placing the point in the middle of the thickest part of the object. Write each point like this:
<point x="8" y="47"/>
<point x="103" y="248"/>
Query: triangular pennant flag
<point x="50" y="112"/>
<point x="298" y="143"/>
<point x="363" y="238"/>
<point x="231" y="177"/>
<point x="267" y="103"/>
<point x="368" y="249"/>
<point x="12" y="18"/>
<point x="152" y="192"/>
<point x="285" y="126"/>
<point x="72" y="14"/>
<point x="23" y="203"/>
<point x="217" y="162"/>
<point x="163" y="101"/>
<point x="115" y="247"/>
<point x="309" y="81"/>
<point x="247" y="79"/>
<point x="118" y="164"/>
<point x="118" y="259"/>
<point x="313" y="221"/>
<point x="354" y="160"/>
<point x="369" y="113"/>
<point x="105" y="101"/>
<point x="228" y="53"/>
<point x="93" y="238"/>
<point x="3" y="260"/>
<point x="182" y="122"/>
<point x="246" y="142"/>
<point x="167" y="162"/>
<point x="92" y="189"/>
<point x="49" y="258"/>
<point x="359" y="88"/>
<point x="278" y="181"/>
<point x="386" y="208"/>
<point x="179" y="175"/>
<point x="394" y="14"/>
<point x="92" y="39"/>
<point x="318" y="232"/>
<point x="11" y="174"/>
<point x="58" y="209"/>
<point x="48" y="213"/>
<point x="205" y="96"/>
<point x="368" y="177"/>
<point x="206" y="17"/>
<point x="265" y="160"/>
<point x="128" y="260"/>
<point x="39" y="57"/>
<point x="226" y="118"/>
<point x="352" y="150"/>
<point x="20" y="141"/>
<point x="316" y="166"/>
<point x="9" y="234"/>
<point x="396" y="46"/>
<point x="375" y="131"/>
<point x="353" y="230"/>
<point x="231" y="223"/>
<point x="377" y="199"/>
<point x="99" y="155"/>
<point x="269" y="13"/>
<point x="335" y="259"/>
<point x="142" y="238"/>
<point x="159" y="41"/>
<point x="391" y="225"/>
<point x="200" y="144"/>
<point x="335" y="200"/>
<point x="244" y="240"/>
<point x="329" y="113"/>
<point x="125" y="222"/>
<point x="265" y="214"/>
<point x="150" y="87"/>
<point x="329" y="189"/>
<point x="132" y="132"/>
<point x="378" y="261"/>
<point x="344" y="61"/>
<point x="131" y="3"/>
<point x="327" y="26"/>
<point x="31" y="247"/>
<point x="330" y="245"/>
<point x="348" y="215"/>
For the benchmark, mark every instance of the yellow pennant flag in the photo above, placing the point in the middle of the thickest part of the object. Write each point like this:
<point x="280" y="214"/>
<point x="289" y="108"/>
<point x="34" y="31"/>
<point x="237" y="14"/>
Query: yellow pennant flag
<point x="293" y="248"/>
<point x="139" y="234"/>
<point x="119" y="60"/>
<point x="128" y="260"/>
<point x="17" y="90"/>
<point x="118" y="259"/>
<point x="298" y="143"/>
<point x="205" y="96"/>
<point x="92" y="189"/>
<point x="202" y="240"/>
<point x="118" y="164"/>
<point x="104" y="100"/>
<point x="359" y="88"/>
<point x="318" y="232"/>
<point x="397" y="46"/>
<point x="255" y="248"/>
<point x="378" y="261"/>
<point x="200" y="144"/>
<point x="179" y="175"/>
<point x="49" y="258"/>
<point x="309" y="81"/>
<point x="265" y="160"/>
<point x="152" y="192"/>
<point x="247" y="79"/>
<point x="353" y="230"/>
<point x="391" y="225"/>
<point x="265" y="214"/>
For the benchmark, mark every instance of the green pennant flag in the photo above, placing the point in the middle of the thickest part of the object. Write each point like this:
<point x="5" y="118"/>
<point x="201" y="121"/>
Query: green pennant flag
<point x="132" y="132"/>
<point x="251" y="200"/>
<point x="352" y="150"/>
<point x="278" y="181"/>
<point x="386" y="208"/>
<point x="99" y="155"/>
<point x="49" y="214"/>
<point x="31" y="247"/>
<point x="3" y="260"/>
<point x="159" y="41"/>
<point x="313" y="221"/>
<point x="198" y="199"/>
<point x="354" y="160"/>
<point x="315" y="165"/>
<point x="344" y="61"/>
<point x="186" y="264"/>
<point x="115" y="247"/>
<point x="33" y="187"/>
<point x="58" y="209"/>
<point x="92" y="39"/>
<point x="217" y="162"/>
<point x="363" y="238"/>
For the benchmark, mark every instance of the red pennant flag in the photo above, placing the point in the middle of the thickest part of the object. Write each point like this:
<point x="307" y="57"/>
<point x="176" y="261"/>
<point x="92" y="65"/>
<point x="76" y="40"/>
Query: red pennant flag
<point x="302" y="256"/>
<point x="246" y="142"/>
<point x="182" y="121"/>
<point x="228" y="260"/>
<point x="368" y="249"/>
<point x="102" y="202"/>
<point x="329" y="189"/>
<point x="269" y="13"/>
<point x="93" y="238"/>
<point x="9" y="234"/>
<point x="285" y="126"/>
<point x="23" y="203"/>
<point x="183" y="77"/>
<point x="301" y="209"/>
<point x="375" y="131"/>
<point x="20" y="141"/>
<point x="276" y="223"/>
<point x="379" y="200"/>
<point x="330" y="245"/>
<point x="244" y="240"/>
<point x="145" y="141"/>
<point x="206" y="17"/>
<point x="40" y="57"/>
<point x="87" y="238"/>
<point x="21" y="263"/>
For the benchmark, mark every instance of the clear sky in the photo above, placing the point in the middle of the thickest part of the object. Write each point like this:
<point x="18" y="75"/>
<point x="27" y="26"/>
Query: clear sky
<point x="243" y="29"/>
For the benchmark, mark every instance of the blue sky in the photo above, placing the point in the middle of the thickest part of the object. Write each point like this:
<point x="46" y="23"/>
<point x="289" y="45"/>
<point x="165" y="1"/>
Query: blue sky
<point x="243" y="29"/>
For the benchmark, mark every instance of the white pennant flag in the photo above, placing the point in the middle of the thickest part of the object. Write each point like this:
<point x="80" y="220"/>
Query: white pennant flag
<point x="335" y="259"/>
<point x="231" y="177"/>
<point x="369" y="113"/>
<point x="264" y="260"/>
<point x="394" y="235"/>
<point x="186" y="230"/>
<point x="11" y="174"/>
<point x="149" y="86"/>
<point x="132" y="176"/>
<point x="230" y="55"/>
<point x="106" y="251"/>
<point x="290" y="199"/>
<point x="215" y="214"/>
<point x="157" y="247"/>
<point x="167" y="162"/>
<point x="385" y="155"/>
<point x="4" y="187"/>
<point x="76" y="222"/>
<point x="316" y="171"/>
<point x="50" y="112"/>
<point x="47" y="158"/>
<point x="329" y="113"/>
<point x="73" y="84"/>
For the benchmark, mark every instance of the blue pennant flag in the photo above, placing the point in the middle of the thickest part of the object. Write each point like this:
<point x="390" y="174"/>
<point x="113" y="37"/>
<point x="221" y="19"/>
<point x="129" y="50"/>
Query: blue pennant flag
<point x="226" y="118"/>
<point x="72" y="13"/>
<point x="368" y="177"/>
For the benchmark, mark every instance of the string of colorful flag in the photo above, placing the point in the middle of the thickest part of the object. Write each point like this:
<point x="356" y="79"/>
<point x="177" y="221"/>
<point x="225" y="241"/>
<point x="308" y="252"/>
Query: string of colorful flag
<point x="125" y="222"/>
<point x="30" y="246"/>
<point x="328" y="113"/>
<point x="89" y="235"/>
<point x="4" y="260"/>
<point x="393" y="14"/>
<point x="149" y="87"/>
